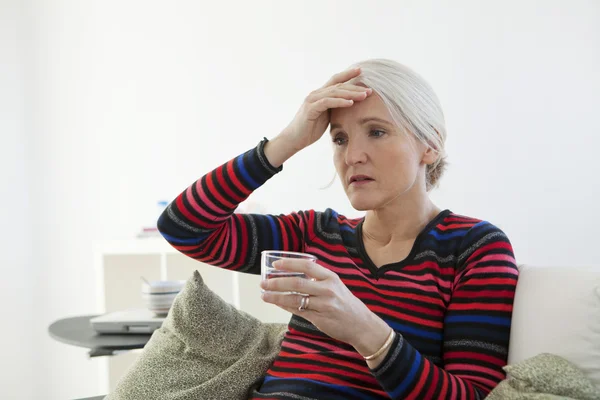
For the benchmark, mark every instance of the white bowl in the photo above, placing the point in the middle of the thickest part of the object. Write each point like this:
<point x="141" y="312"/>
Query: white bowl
<point x="158" y="296"/>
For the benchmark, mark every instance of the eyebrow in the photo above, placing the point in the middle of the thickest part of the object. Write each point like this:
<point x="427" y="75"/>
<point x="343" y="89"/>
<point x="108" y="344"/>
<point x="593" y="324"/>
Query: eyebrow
<point x="364" y="121"/>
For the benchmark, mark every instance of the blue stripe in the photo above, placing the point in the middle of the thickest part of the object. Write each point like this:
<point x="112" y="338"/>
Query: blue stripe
<point x="404" y="329"/>
<point x="445" y="236"/>
<point x="176" y="240"/>
<point x="478" y="319"/>
<point x="409" y="377"/>
<point x="245" y="174"/>
<point x="287" y="382"/>
<point x="477" y="225"/>
<point x="275" y="234"/>
<point x="347" y="228"/>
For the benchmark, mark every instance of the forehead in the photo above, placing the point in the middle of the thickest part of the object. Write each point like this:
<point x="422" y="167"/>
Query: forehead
<point x="372" y="106"/>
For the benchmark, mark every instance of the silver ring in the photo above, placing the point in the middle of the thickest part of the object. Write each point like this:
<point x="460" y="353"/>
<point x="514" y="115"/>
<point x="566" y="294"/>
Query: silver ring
<point x="304" y="303"/>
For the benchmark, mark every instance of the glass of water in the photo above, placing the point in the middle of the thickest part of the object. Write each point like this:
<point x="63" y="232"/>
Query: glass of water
<point x="267" y="270"/>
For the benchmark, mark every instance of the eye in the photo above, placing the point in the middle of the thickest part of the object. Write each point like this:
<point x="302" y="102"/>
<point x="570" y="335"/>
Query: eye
<point x="376" y="133"/>
<point x="340" y="140"/>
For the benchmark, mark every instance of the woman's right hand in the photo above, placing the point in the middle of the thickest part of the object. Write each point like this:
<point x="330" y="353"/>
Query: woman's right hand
<point x="312" y="118"/>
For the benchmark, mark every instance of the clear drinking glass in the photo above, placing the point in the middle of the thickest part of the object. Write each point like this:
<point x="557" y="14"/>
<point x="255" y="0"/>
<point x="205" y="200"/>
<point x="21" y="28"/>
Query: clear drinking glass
<point x="267" y="270"/>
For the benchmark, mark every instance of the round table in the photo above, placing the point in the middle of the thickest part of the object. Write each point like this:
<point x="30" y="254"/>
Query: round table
<point x="77" y="331"/>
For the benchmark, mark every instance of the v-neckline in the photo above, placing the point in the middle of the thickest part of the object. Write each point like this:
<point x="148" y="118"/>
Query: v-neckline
<point x="378" y="272"/>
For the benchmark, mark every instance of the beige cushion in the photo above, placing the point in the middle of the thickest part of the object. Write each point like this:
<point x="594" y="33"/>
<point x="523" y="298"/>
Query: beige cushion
<point x="545" y="376"/>
<point x="205" y="349"/>
<point x="557" y="311"/>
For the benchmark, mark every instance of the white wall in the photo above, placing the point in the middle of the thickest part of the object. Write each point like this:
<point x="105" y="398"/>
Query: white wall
<point x="17" y="283"/>
<point x="135" y="99"/>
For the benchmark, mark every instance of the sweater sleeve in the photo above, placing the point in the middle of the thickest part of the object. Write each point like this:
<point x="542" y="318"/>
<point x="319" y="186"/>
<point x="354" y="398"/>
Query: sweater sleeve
<point x="476" y="327"/>
<point x="201" y="222"/>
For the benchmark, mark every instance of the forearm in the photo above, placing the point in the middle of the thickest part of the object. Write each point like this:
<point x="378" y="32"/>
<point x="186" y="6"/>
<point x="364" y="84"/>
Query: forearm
<point x="406" y="373"/>
<point x="210" y="201"/>
<point x="201" y="222"/>
<point x="402" y="370"/>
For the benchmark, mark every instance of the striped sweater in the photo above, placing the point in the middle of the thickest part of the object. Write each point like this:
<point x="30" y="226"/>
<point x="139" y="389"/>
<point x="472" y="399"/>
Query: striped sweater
<point x="450" y="301"/>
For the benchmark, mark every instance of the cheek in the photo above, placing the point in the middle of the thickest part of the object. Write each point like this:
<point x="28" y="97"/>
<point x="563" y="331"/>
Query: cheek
<point x="338" y="161"/>
<point x="402" y="165"/>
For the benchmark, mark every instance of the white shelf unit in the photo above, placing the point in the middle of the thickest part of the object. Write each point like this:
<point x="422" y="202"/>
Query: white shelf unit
<point x="119" y="266"/>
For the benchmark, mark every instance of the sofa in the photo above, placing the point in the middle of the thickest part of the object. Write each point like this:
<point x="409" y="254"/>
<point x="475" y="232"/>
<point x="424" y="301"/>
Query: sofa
<point x="557" y="311"/>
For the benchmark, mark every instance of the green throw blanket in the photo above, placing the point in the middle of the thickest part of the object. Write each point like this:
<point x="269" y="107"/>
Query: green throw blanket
<point x="205" y="349"/>
<point x="545" y="376"/>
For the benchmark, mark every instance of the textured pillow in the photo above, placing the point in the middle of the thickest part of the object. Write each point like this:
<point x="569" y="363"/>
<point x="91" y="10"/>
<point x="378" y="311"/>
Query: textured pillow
<point x="545" y="376"/>
<point x="548" y="373"/>
<point x="205" y="349"/>
<point x="557" y="311"/>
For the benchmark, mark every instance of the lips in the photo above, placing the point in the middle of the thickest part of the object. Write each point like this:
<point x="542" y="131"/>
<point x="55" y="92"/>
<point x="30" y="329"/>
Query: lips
<point x="360" y="179"/>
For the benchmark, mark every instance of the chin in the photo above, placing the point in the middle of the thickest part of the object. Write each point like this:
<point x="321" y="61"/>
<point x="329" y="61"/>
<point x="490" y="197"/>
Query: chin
<point x="363" y="203"/>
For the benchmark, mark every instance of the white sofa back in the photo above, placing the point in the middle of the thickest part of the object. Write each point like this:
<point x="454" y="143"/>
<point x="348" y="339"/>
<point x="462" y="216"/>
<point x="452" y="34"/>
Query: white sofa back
<point x="557" y="310"/>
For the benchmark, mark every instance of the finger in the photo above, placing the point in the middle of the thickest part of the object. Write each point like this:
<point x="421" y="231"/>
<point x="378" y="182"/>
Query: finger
<point x="327" y="103"/>
<point x="344" y="86"/>
<point x="292" y="302"/>
<point x="343" y="76"/>
<point x="287" y="284"/>
<point x="306" y="314"/>
<point x="310" y="268"/>
<point x="355" y="95"/>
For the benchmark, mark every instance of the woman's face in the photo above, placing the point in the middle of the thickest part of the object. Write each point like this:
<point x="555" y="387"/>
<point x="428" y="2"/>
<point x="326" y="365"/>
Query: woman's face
<point x="378" y="163"/>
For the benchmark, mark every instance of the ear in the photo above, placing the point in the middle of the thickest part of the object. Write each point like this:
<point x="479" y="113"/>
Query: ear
<point x="430" y="156"/>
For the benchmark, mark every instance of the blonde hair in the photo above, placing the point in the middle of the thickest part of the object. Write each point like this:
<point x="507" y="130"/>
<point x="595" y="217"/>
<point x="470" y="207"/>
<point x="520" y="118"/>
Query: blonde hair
<point x="413" y="105"/>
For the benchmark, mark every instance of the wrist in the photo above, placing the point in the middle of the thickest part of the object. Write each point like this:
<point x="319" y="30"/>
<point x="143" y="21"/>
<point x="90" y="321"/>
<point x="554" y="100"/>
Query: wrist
<point x="291" y="139"/>
<point x="372" y="337"/>
<point x="279" y="149"/>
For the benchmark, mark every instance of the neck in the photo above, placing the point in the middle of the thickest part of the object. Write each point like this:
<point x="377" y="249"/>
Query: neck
<point x="399" y="222"/>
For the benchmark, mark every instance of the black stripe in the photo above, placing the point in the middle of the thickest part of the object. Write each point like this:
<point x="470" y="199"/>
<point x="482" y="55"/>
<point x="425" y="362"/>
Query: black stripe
<point x="229" y="182"/>
<point x="221" y="191"/>
<point x="497" y="288"/>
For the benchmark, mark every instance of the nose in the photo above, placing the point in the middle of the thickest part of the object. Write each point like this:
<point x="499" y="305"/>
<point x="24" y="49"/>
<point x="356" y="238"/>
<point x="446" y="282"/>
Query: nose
<point x="355" y="153"/>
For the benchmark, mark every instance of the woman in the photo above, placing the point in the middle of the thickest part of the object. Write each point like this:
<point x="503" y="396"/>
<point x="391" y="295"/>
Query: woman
<point x="409" y="302"/>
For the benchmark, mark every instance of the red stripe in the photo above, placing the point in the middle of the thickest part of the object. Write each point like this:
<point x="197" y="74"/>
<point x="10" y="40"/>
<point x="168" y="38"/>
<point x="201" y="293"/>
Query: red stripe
<point x="234" y="179"/>
<point x="405" y="317"/>
<point x="433" y="313"/>
<point x="444" y="228"/>
<point x="187" y="214"/>
<point x="331" y="369"/>
<point x="445" y="385"/>
<point x="460" y="218"/>
<point x="225" y="186"/>
<point x="470" y="355"/>
<point x="415" y="394"/>
<point x="223" y="202"/>
<point x="481" y="306"/>
<point x="244" y="244"/>
<point x="489" y="247"/>
<point x="434" y="381"/>
<point x="359" y="366"/>
<point x="314" y="376"/>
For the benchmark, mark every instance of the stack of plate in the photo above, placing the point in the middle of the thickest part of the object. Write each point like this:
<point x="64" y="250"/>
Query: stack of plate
<point x="159" y="295"/>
